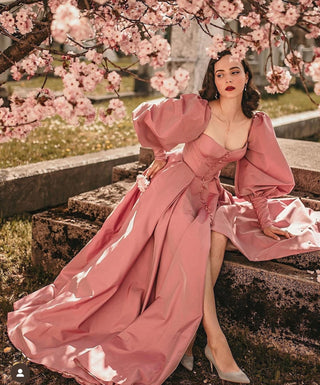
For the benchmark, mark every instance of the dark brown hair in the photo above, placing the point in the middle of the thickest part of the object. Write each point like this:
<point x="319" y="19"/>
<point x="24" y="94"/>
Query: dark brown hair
<point x="250" y="96"/>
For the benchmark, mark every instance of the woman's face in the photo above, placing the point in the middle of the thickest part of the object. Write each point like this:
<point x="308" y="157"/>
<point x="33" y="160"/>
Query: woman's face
<point x="229" y="77"/>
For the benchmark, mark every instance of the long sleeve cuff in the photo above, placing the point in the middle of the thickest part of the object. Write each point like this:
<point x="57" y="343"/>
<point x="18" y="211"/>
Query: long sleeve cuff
<point x="159" y="154"/>
<point x="260" y="205"/>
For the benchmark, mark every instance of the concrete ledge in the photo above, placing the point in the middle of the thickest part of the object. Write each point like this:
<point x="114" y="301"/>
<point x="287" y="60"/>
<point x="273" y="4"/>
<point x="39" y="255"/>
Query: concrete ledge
<point x="297" y="126"/>
<point x="48" y="184"/>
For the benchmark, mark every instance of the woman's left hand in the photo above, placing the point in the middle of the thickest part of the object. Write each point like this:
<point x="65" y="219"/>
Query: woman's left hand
<point x="273" y="232"/>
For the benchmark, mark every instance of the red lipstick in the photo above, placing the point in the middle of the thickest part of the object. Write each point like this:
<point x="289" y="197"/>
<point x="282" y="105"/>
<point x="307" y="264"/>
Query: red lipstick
<point x="230" y="88"/>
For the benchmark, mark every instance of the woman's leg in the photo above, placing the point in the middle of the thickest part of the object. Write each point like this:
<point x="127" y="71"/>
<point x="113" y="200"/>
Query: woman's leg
<point x="219" y="243"/>
<point x="215" y="336"/>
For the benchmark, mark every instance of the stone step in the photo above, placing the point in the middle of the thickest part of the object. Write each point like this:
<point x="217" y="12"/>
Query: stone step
<point x="128" y="171"/>
<point x="272" y="300"/>
<point x="98" y="204"/>
<point x="57" y="236"/>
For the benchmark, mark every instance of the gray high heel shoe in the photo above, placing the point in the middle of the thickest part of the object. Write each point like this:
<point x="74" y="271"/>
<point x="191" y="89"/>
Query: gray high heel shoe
<point x="239" y="376"/>
<point x="187" y="362"/>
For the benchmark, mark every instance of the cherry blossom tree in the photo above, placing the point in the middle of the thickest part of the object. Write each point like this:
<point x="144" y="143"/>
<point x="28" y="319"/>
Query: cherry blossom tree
<point x="136" y="27"/>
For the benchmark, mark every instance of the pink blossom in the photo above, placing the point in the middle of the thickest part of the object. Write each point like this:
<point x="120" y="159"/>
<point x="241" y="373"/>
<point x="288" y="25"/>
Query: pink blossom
<point x="292" y="15"/>
<point x="67" y="13"/>
<point x="157" y="80"/>
<point x="63" y="107"/>
<point x="229" y="9"/>
<point x="239" y="52"/>
<point x="85" y="108"/>
<point x="59" y="31"/>
<point x="118" y="107"/>
<point x="313" y="70"/>
<point x="306" y="3"/>
<point x="191" y="6"/>
<point x="7" y="21"/>
<point x="317" y="88"/>
<point x="294" y="61"/>
<point x="115" y="112"/>
<point x="257" y="34"/>
<point x="169" y="88"/>
<point x="65" y="17"/>
<point x="24" y="20"/>
<point x="252" y="20"/>
<point x="314" y="32"/>
<point x="217" y="46"/>
<point x="114" y="79"/>
<point x="81" y="30"/>
<point x="15" y="72"/>
<point x="94" y="56"/>
<point x="142" y="182"/>
<point x="279" y="79"/>
<point x="182" y="77"/>
<point x="156" y="51"/>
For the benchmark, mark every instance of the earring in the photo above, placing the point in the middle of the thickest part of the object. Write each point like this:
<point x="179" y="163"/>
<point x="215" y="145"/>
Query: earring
<point x="245" y="87"/>
<point x="217" y="95"/>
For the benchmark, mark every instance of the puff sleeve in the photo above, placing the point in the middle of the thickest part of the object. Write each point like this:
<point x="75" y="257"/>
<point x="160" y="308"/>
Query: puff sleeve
<point x="164" y="124"/>
<point x="263" y="172"/>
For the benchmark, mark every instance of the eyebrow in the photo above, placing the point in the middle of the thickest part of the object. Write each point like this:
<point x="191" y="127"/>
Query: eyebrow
<point x="232" y="68"/>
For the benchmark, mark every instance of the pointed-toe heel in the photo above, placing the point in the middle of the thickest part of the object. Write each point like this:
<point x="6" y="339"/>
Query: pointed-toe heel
<point x="187" y="362"/>
<point x="238" y="376"/>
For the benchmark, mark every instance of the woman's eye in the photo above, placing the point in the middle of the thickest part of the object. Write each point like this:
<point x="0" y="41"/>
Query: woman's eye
<point x="235" y="72"/>
<point x="219" y="76"/>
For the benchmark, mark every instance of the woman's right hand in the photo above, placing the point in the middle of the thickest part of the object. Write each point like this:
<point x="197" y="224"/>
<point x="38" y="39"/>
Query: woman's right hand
<point x="274" y="232"/>
<point x="154" y="168"/>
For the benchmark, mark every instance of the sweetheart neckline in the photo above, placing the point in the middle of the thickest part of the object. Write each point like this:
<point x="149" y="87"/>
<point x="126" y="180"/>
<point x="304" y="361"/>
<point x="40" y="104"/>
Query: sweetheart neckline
<point x="237" y="149"/>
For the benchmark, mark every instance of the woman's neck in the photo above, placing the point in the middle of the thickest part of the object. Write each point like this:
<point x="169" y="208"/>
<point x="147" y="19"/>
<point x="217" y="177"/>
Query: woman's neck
<point x="230" y="109"/>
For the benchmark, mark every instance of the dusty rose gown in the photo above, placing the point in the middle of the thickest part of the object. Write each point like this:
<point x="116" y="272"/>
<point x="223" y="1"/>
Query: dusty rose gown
<point x="124" y="310"/>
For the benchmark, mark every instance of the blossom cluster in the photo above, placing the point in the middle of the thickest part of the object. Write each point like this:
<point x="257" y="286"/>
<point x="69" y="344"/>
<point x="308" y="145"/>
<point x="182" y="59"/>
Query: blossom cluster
<point x="21" y="22"/>
<point x="137" y="28"/>
<point x="31" y="64"/>
<point x="116" y="111"/>
<point x="279" y="79"/>
<point x="155" y="51"/>
<point x="68" y="20"/>
<point x="142" y="182"/>
<point x="170" y="86"/>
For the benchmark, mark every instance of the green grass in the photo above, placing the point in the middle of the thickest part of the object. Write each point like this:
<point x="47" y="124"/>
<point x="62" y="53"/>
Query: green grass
<point x="56" y="139"/>
<point x="293" y="101"/>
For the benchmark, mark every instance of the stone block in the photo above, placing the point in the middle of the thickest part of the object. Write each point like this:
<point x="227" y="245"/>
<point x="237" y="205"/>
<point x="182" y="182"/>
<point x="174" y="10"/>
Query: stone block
<point x="146" y="155"/>
<point x="58" y="236"/>
<point x="272" y="301"/>
<point x="128" y="171"/>
<point x="98" y="204"/>
<point x="48" y="184"/>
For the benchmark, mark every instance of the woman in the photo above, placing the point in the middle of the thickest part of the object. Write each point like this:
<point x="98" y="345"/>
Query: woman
<point x="127" y="307"/>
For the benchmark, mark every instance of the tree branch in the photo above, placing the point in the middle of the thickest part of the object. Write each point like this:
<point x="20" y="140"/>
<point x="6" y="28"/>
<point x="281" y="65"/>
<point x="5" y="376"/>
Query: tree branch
<point x="25" y="45"/>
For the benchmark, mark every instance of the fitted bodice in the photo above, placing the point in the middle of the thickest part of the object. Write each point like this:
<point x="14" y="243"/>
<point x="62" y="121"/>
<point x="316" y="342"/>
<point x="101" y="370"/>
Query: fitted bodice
<point x="206" y="157"/>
